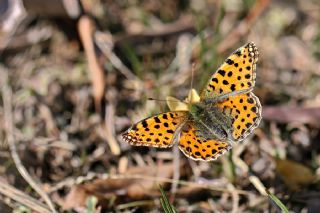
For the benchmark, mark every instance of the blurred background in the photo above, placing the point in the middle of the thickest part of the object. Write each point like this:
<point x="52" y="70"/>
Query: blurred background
<point x="75" y="74"/>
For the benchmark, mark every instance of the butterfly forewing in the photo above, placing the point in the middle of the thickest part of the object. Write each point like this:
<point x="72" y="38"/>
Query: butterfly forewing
<point x="156" y="131"/>
<point x="236" y="75"/>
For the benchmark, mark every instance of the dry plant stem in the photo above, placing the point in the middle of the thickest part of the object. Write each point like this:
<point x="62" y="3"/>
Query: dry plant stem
<point x="73" y="181"/>
<point x="51" y="128"/>
<point x="242" y="29"/>
<point x="176" y="171"/>
<point x="86" y="29"/>
<point x="7" y="98"/>
<point x="235" y="199"/>
<point x="179" y="69"/>
<point x="109" y="130"/>
<point x="22" y="198"/>
<point x="105" y="43"/>
<point x="254" y="180"/>
<point x="15" y="16"/>
<point x="218" y="4"/>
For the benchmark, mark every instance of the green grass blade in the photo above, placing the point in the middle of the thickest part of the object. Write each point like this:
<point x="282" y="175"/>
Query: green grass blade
<point x="278" y="202"/>
<point x="167" y="207"/>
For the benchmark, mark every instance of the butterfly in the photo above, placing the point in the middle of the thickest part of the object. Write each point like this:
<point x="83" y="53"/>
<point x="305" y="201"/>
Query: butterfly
<point x="226" y="112"/>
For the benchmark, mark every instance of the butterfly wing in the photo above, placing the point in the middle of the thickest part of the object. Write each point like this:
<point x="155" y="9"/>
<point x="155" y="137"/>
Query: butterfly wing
<point x="161" y="130"/>
<point x="245" y="113"/>
<point x="236" y="75"/>
<point x="198" y="148"/>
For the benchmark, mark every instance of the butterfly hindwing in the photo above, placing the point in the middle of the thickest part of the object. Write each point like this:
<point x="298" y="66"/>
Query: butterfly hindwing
<point x="155" y="131"/>
<point x="198" y="148"/>
<point x="245" y="113"/>
<point x="237" y="74"/>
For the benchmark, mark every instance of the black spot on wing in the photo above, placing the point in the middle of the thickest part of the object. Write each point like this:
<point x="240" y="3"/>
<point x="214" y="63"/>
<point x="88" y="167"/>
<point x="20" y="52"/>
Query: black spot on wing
<point x="144" y="123"/>
<point x="215" y="80"/>
<point x="229" y="61"/>
<point x="222" y="72"/>
<point x="170" y="131"/>
<point x="157" y="120"/>
<point x="250" y="100"/>
<point x="233" y="87"/>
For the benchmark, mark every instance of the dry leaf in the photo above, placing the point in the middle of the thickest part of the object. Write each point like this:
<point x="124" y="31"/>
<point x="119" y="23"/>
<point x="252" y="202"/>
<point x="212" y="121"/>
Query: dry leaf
<point x="294" y="174"/>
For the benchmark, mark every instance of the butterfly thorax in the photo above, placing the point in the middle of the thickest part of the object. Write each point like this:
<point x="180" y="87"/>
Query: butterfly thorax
<point x="209" y="121"/>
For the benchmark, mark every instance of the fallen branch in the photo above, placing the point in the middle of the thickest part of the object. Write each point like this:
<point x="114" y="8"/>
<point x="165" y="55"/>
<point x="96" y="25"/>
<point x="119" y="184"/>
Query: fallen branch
<point x="86" y="29"/>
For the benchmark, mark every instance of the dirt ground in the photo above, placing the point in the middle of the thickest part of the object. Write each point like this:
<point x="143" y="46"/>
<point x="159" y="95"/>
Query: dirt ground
<point x="75" y="75"/>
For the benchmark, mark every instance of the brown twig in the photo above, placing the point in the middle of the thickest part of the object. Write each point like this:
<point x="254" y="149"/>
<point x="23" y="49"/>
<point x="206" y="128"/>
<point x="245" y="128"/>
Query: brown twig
<point x="183" y="25"/>
<point x="9" y="126"/>
<point x="239" y="31"/>
<point x="286" y="114"/>
<point x="86" y="28"/>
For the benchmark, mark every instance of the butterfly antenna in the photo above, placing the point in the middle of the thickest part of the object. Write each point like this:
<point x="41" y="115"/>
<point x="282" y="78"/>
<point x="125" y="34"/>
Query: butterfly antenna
<point x="155" y="99"/>
<point x="193" y="66"/>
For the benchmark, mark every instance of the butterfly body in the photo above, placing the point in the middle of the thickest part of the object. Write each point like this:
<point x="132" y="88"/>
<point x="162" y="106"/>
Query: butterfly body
<point x="210" y="121"/>
<point x="227" y="111"/>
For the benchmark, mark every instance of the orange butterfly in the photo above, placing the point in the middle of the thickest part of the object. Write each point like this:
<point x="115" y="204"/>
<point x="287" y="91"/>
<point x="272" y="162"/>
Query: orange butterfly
<point x="227" y="112"/>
